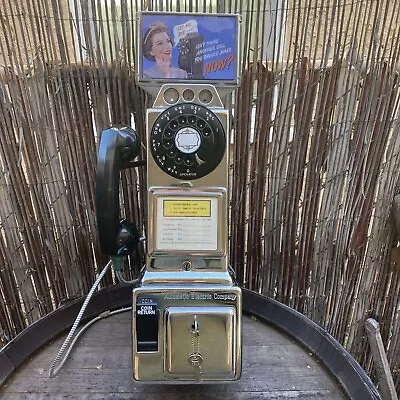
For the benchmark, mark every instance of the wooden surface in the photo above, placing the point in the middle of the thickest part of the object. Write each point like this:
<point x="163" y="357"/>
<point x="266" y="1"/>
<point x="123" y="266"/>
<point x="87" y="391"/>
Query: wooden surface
<point x="274" y="367"/>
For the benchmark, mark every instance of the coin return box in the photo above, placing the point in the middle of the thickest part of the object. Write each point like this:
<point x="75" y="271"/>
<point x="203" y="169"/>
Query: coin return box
<point x="146" y="325"/>
<point x="200" y="341"/>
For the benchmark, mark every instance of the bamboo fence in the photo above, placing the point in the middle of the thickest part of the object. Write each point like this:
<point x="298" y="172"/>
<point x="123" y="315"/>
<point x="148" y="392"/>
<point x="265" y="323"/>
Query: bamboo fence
<point x="315" y="155"/>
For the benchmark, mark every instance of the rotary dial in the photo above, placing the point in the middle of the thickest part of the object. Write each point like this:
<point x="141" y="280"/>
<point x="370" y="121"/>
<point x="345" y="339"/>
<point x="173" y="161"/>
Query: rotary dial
<point x="187" y="141"/>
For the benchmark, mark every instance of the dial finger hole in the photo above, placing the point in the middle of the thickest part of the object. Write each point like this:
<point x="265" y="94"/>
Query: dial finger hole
<point x="168" y="144"/>
<point x="171" y="153"/>
<point x="201" y="123"/>
<point x="173" y="124"/>
<point x="188" y="161"/>
<point x="182" y="120"/>
<point x="168" y="134"/>
<point x="207" y="132"/>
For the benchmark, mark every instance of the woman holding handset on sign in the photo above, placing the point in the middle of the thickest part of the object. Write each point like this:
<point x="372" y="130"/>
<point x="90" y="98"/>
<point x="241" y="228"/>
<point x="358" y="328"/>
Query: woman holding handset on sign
<point x="157" y="47"/>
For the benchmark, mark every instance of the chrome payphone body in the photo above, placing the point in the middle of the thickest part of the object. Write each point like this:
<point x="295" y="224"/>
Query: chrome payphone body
<point x="186" y="318"/>
<point x="187" y="284"/>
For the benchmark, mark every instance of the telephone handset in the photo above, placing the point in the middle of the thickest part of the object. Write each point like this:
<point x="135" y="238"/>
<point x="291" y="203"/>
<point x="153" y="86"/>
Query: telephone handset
<point x="119" y="146"/>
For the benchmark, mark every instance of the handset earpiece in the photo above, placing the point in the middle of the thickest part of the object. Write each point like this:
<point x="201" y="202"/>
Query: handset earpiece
<point x="118" y="147"/>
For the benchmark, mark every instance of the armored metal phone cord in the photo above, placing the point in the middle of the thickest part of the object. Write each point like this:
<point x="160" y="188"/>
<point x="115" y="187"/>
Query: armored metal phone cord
<point x="60" y="360"/>
<point x="117" y="267"/>
<point x="123" y="280"/>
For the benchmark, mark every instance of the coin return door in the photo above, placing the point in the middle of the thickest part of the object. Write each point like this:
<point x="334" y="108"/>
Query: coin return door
<point x="200" y="342"/>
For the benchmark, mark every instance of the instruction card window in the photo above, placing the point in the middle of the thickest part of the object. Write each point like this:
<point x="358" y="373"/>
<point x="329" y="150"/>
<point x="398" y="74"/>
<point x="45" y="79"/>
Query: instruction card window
<point x="187" y="224"/>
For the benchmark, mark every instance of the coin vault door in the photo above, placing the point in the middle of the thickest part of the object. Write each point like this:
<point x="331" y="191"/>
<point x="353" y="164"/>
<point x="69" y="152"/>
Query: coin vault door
<point x="203" y="338"/>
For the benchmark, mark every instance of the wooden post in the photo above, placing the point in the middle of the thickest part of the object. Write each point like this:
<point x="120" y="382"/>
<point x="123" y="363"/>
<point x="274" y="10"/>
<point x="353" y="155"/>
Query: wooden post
<point x="387" y="389"/>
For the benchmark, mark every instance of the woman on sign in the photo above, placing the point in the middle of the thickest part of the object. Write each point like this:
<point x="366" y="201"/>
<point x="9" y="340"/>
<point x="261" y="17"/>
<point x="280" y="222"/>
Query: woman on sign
<point x="157" y="47"/>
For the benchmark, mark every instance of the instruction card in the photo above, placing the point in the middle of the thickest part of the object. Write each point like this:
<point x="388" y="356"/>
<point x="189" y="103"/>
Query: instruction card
<point x="187" y="224"/>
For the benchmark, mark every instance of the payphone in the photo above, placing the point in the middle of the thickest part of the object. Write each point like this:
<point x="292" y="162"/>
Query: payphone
<point x="188" y="61"/>
<point x="186" y="309"/>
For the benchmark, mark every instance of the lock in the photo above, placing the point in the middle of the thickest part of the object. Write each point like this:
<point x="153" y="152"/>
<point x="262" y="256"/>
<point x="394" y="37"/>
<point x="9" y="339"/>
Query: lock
<point x="187" y="265"/>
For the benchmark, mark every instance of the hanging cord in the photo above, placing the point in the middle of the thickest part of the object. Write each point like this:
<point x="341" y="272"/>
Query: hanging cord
<point x="117" y="267"/>
<point x="53" y="371"/>
<point x="121" y="279"/>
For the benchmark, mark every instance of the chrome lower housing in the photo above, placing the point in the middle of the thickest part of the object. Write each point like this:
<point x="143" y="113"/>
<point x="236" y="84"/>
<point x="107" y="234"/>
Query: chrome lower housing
<point x="187" y="332"/>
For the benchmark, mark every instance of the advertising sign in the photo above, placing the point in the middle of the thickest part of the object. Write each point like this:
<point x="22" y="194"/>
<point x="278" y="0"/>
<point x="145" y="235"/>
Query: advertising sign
<point x="200" y="47"/>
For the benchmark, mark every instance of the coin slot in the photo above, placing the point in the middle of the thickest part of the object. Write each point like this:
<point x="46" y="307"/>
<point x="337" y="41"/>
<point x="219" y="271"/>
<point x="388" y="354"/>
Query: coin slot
<point x="188" y="94"/>
<point x="205" y="96"/>
<point x="171" y="96"/>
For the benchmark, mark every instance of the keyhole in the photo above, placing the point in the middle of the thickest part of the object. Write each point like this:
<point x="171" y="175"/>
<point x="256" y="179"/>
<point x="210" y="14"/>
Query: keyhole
<point x="187" y="265"/>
